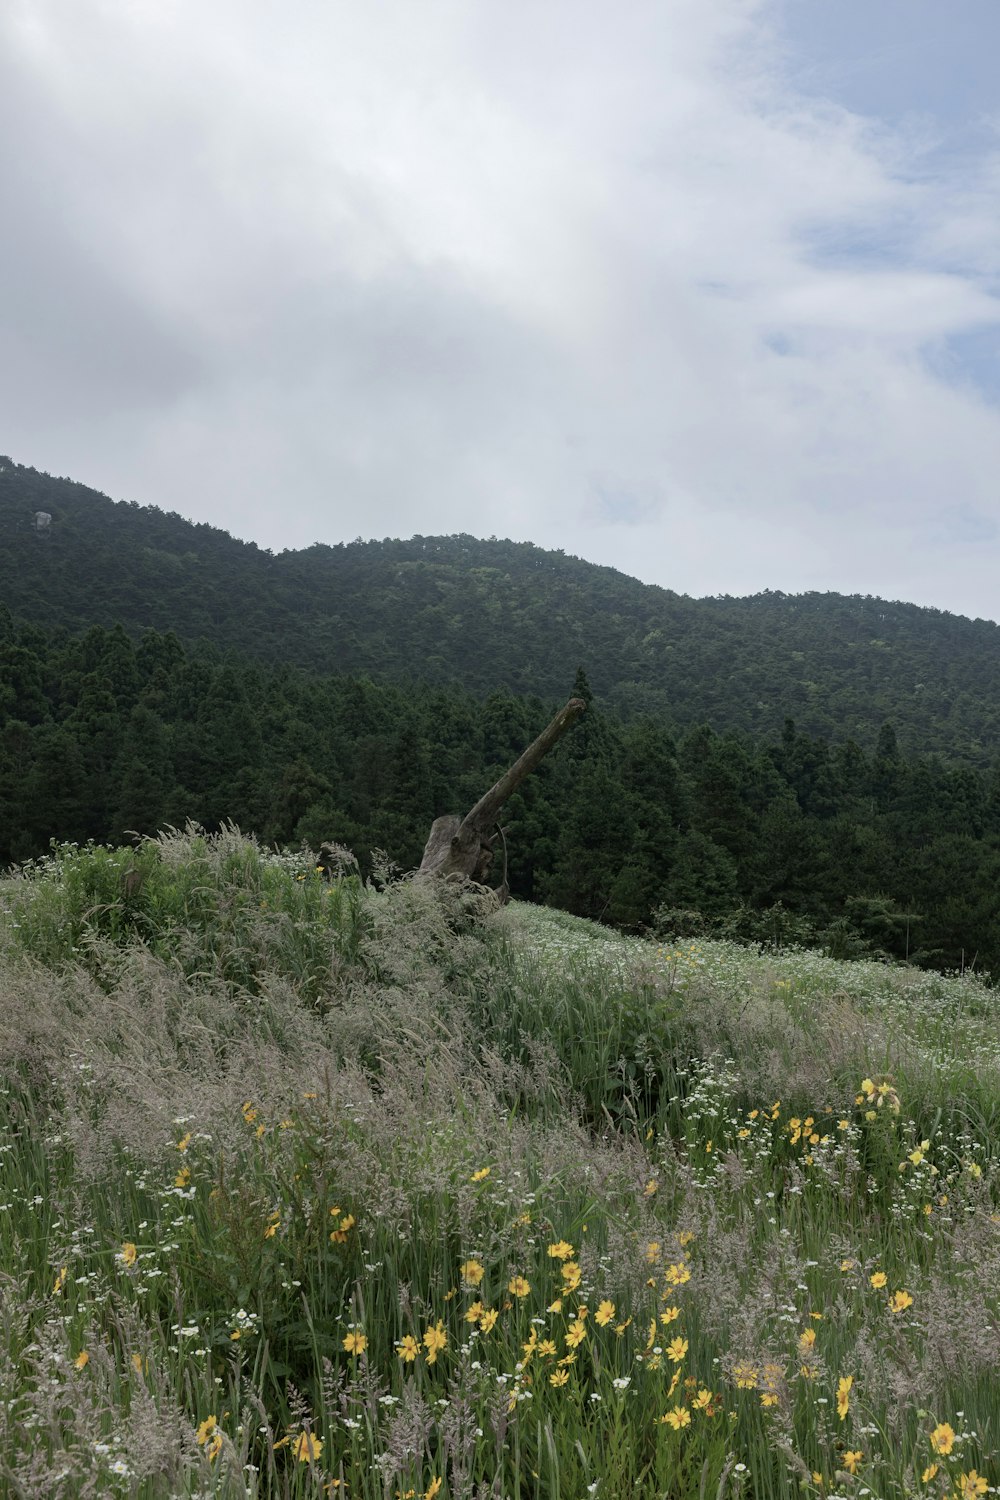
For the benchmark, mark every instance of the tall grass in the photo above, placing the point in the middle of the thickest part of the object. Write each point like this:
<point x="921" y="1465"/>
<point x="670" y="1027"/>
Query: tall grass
<point x="308" y="1188"/>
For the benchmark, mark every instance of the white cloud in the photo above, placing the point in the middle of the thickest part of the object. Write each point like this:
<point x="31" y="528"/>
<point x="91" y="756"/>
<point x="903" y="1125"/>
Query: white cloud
<point x="595" y="277"/>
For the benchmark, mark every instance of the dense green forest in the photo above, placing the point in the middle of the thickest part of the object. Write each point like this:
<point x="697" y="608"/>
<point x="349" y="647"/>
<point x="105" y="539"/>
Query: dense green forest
<point x="481" y="615"/>
<point x="790" y="838"/>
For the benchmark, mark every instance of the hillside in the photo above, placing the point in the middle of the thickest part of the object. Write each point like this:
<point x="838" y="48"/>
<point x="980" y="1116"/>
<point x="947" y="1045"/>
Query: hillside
<point x="489" y="614"/>
<point x="311" y="1189"/>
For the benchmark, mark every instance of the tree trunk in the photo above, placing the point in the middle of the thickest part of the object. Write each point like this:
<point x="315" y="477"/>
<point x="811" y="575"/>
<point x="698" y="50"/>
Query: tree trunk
<point x="462" y="848"/>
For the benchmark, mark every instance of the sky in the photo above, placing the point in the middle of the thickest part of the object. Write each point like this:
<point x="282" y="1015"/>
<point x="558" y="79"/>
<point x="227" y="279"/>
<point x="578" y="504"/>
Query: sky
<point x="704" y="290"/>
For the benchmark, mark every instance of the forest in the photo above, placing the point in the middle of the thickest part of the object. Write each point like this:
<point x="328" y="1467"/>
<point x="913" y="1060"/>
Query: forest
<point x="786" y="839"/>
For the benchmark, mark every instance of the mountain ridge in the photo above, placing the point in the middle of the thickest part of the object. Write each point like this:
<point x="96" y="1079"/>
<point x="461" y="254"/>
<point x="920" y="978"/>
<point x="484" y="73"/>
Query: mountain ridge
<point x="488" y="613"/>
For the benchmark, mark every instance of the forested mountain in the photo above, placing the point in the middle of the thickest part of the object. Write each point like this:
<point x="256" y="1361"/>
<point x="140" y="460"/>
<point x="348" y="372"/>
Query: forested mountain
<point x="482" y="615"/>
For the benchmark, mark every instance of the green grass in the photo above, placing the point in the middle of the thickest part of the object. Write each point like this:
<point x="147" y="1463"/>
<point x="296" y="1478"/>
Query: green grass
<point x="263" y="1135"/>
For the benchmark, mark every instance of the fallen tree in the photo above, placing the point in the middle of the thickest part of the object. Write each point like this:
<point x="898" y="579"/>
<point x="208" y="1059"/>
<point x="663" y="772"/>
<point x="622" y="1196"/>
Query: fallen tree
<point x="461" y="849"/>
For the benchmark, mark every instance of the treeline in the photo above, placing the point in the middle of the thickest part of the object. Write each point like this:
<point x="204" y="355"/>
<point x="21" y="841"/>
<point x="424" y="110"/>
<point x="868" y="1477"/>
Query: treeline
<point x="789" y="839"/>
<point x="460" y="612"/>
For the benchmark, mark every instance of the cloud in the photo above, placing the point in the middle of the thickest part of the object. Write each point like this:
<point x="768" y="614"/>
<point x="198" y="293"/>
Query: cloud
<point x="603" y="280"/>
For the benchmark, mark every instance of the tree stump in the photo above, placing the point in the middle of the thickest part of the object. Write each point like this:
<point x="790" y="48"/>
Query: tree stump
<point x="461" y="849"/>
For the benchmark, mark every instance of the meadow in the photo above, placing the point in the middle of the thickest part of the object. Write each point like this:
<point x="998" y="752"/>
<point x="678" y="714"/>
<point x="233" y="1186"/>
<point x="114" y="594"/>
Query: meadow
<point x="313" y="1187"/>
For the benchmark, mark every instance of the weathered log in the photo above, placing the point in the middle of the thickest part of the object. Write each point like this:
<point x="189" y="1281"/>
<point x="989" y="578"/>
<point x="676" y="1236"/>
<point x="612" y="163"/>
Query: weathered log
<point x="462" y="848"/>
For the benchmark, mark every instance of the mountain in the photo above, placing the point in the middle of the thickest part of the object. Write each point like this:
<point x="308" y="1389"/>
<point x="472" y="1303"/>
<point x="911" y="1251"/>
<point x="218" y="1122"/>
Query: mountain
<point x="457" y="611"/>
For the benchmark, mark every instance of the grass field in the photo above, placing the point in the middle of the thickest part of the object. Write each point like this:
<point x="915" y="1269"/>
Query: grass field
<point x="308" y="1188"/>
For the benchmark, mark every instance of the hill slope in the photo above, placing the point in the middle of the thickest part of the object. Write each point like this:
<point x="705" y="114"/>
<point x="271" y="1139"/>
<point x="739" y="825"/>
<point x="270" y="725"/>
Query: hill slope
<point x="494" y="613"/>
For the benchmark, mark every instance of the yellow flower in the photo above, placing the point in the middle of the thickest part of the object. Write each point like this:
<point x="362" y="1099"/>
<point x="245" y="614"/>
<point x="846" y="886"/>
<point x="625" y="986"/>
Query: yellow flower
<point x="576" y="1333"/>
<point x="878" y="1280"/>
<point x="273" y="1221"/>
<point x="571" y="1275"/>
<point x="768" y="1399"/>
<point x="481" y="1175"/>
<point x="605" y="1313"/>
<point x="128" y="1253"/>
<point x="943" y="1438"/>
<point x="488" y="1319"/>
<point x="307" y="1447"/>
<point x="356" y="1342"/>
<point x="184" y="1142"/>
<point x="138" y="1364"/>
<point x="556" y="1306"/>
<point x="703" y="1399"/>
<point x="83" y="1358"/>
<point x="433" y="1488"/>
<point x="407" y="1348"/>
<point x="852" y="1460"/>
<point x="558" y="1377"/>
<point x="651" y="1187"/>
<point x="900" y="1301"/>
<point x="676" y="1350"/>
<point x="685" y="1236"/>
<point x="745" y="1375"/>
<point x="206" y="1430"/>
<point x="435" y="1339"/>
<point x="518" y="1286"/>
<point x="669" y="1315"/>
<point x="561" y="1250"/>
<point x="844" y="1395"/>
<point x="677" y="1417"/>
<point x="807" y="1339"/>
<point x="183" y="1177"/>
<point x="472" y="1272"/>
<point x="928" y="1473"/>
<point x="848" y="1265"/>
<point x="972" y="1484"/>
<point x="474" y="1312"/>
<point x="547" y="1347"/>
<point x="678" y="1274"/>
<point x="60" y="1280"/>
<point x="652" y="1252"/>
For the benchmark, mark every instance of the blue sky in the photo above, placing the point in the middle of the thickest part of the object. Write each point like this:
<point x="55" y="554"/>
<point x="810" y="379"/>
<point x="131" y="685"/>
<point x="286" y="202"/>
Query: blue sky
<point x="706" y="290"/>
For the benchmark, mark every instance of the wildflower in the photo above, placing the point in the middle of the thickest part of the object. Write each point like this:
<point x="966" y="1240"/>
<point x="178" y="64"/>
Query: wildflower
<point x="768" y="1398"/>
<point x="127" y="1254"/>
<point x="555" y="1307"/>
<point x="307" y="1447"/>
<point x="878" y="1280"/>
<point x="943" y="1438"/>
<point x="137" y="1364"/>
<point x="652" y="1252"/>
<point x="604" y="1314"/>
<point x="60" y="1280"/>
<point x="703" y="1400"/>
<point x="481" y="1175"/>
<point x="677" y="1275"/>
<point x="82" y="1359"/>
<point x="669" y="1315"/>
<point x="852" y="1460"/>
<point x="435" y="1339"/>
<point x="676" y="1350"/>
<point x="685" y="1236"/>
<point x="547" y="1347"/>
<point x="807" y="1339"/>
<point x="745" y="1376"/>
<point x="561" y="1250"/>
<point x="677" y="1417"/>
<point x="210" y="1438"/>
<point x="972" y="1484"/>
<point x="184" y="1143"/>
<point x="433" y="1488"/>
<point x="848" y="1265"/>
<point x="571" y="1275"/>
<point x="488" y="1319"/>
<point x="900" y="1301"/>
<point x="558" y="1377"/>
<point x="356" y="1342"/>
<point x="273" y="1223"/>
<point x="472" y="1272"/>
<point x="652" y="1186"/>
<point x="576" y="1333"/>
<point x="407" y="1348"/>
<point x="844" y="1395"/>
<point x="474" y="1312"/>
<point x="183" y="1177"/>
<point x="518" y="1286"/>
<point x="928" y="1473"/>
